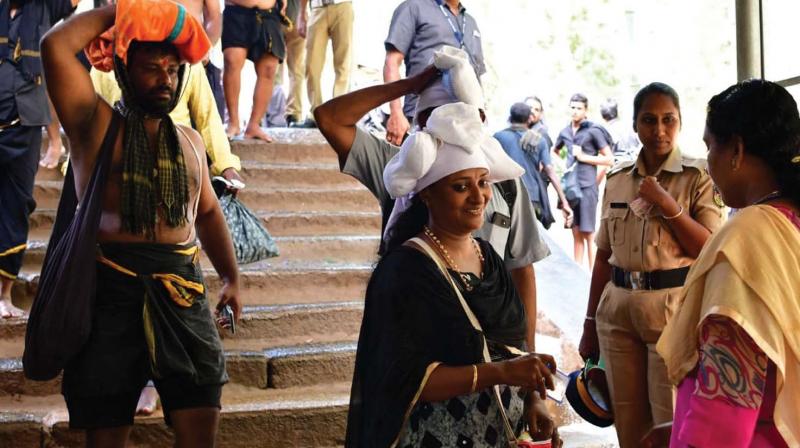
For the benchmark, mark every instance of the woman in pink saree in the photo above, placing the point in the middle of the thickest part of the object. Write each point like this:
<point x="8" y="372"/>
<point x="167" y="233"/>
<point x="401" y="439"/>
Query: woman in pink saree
<point x="733" y="348"/>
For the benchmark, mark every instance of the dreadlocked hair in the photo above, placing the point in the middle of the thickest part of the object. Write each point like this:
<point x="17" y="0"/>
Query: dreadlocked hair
<point x="150" y="179"/>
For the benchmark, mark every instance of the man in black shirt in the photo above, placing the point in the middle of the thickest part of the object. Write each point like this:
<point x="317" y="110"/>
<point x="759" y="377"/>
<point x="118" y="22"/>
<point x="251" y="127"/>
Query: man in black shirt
<point x="23" y="112"/>
<point x="589" y="146"/>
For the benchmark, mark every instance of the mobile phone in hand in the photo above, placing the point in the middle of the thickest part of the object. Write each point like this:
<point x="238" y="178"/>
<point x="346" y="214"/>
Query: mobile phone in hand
<point x="560" y="380"/>
<point x="226" y="314"/>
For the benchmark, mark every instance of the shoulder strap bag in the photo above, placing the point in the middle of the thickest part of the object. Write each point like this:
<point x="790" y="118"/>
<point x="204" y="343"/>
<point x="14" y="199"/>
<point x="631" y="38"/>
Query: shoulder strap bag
<point x="61" y="317"/>
<point x="426" y="249"/>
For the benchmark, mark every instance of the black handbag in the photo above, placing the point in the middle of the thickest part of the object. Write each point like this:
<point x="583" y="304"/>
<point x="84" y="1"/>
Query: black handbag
<point x="61" y="316"/>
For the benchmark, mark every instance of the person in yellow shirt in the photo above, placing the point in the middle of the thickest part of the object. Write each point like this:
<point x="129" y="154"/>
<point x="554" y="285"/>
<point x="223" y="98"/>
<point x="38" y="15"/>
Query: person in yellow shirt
<point x="196" y="108"/>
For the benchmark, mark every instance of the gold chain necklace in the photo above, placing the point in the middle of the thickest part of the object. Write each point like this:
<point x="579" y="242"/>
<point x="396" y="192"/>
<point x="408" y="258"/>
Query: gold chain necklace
<point x="464" y="277"/>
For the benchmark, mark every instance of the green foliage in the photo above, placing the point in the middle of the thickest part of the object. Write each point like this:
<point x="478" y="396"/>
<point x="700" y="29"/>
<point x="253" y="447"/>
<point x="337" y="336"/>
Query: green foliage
<point x="596" y="63"/>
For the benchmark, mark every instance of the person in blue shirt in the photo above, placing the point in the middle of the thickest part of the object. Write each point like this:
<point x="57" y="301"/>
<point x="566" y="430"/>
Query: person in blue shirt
<point x="530" y="149"/>
<point x="419" y="28"/>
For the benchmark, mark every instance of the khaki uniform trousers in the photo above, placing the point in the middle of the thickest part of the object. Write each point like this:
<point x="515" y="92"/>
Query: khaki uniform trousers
<point x="296" y="69"/>
<point x="629" y="324"/>
<point x="334" y="22"/>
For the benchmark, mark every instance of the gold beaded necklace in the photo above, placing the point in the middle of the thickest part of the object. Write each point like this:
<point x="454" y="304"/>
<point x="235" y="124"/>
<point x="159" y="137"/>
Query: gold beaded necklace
<point x="441" y="249"/>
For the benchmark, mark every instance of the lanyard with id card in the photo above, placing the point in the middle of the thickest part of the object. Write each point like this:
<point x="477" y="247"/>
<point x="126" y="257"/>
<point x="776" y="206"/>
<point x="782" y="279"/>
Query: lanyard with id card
<point x="457" y="33"/>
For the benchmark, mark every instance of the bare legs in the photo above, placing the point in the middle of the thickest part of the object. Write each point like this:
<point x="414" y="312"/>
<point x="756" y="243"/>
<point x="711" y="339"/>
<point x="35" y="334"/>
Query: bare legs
<point x="7" y="309"/>
<point x="265" y="77"/>
<point x="581" y="241"/>
<point x="262" y="94"/>
<point x="194" y="428"/>
<point x="55" y="148"/>
<point x="108" y="437"/>
<point x="231" y="85"/>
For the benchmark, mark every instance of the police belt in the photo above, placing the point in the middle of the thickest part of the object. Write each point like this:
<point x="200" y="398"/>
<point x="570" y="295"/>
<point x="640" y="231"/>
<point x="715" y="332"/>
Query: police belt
<point x="671" y="278"/>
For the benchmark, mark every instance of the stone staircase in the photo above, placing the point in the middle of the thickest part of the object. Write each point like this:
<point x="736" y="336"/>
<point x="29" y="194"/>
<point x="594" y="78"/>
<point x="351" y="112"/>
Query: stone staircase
<point x="291" y="360"/>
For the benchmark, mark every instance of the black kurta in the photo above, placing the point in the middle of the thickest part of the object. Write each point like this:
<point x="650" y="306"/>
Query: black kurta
<point x="412" y="318"/>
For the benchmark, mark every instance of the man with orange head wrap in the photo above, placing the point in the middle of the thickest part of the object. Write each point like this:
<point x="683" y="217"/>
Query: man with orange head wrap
<point x="150" y="316"/>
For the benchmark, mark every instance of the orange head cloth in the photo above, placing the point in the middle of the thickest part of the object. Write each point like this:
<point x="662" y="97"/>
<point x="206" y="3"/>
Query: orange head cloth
<point x="149" y="21"/>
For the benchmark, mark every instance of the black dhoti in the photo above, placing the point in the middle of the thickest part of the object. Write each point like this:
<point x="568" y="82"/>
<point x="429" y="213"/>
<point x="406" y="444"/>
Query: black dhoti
<point x="150" y="320"/>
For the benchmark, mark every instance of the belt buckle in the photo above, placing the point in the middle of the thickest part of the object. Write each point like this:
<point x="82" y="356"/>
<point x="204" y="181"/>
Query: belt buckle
<point x="635" y="279"/>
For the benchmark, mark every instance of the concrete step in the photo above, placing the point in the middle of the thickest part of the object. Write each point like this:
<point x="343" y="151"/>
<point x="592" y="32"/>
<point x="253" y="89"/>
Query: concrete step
<point x="264" y="283"/>
<point x="277" y="347"/>
<point x="331" y="249"/>
<point x="21" y="429"/>
<point x="310" y="416"/>
<point x="355" y="198"/>
<point x="11" y="328"/>
<point x="277" y="367"/>
<point x="289" y="146"/>
<point x="294" y="175"/>
<point x="323" y="222"/>
<point x="347" y="197"/>
<point x="306" y="321"/>
<point x="44" y="174"/>
<point x="313" y="416"/>
<point x="302" y="322"/>
<point x="265" y="175"/>
<point x="278" y="223"/>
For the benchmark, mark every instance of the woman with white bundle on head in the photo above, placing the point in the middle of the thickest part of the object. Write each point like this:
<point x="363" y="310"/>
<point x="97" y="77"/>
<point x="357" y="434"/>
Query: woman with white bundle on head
<point x="441" y="351"/>
<point x="509" y="220"/>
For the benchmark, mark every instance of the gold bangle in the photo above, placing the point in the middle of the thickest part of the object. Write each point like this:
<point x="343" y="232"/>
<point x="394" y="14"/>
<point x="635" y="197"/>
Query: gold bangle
<point x="474" y="378"/>
<point x="680" y="212"/>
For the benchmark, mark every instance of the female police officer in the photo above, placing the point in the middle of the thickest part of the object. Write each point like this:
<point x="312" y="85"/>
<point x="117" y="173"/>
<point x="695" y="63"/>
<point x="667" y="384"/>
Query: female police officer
<point x="658" y="211"/>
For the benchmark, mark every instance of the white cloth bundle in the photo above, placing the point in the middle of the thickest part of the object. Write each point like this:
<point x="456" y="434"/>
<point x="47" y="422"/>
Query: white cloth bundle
<point x="458" y="83"/>
<point x="459" y="75"/>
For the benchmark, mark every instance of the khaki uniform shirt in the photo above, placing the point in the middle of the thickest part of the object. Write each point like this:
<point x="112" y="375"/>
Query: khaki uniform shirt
<point x="648" y="244"/>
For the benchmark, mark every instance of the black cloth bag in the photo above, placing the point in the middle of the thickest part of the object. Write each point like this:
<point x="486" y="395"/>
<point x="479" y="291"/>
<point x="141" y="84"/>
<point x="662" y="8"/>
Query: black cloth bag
<point x="569" y="183"/>
<point x="61" y="317"/>
<point x="251" y="240"/>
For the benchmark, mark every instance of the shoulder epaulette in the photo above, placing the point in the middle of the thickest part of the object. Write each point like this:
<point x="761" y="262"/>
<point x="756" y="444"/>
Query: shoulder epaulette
<point x="620" y="167"/>
<point x="693" y="162"/>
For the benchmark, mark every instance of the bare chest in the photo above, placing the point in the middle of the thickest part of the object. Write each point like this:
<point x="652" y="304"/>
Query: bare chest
<point x="110" y="227"/>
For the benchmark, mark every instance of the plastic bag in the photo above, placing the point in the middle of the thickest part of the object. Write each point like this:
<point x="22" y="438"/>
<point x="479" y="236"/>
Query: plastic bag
<point x="251" y="241"/>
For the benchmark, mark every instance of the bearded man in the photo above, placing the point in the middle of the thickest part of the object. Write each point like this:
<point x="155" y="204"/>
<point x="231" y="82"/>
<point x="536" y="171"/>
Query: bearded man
<point x="150" y="319"/>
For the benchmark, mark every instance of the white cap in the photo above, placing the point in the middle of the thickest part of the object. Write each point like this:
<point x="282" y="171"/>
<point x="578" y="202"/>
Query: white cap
<point x="454" y="140"/>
